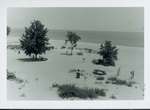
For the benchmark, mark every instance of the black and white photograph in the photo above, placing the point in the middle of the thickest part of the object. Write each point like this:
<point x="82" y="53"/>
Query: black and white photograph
<point x="75" y="53"/>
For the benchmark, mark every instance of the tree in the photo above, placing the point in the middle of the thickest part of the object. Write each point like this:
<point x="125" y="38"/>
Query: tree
<point x="109" y="53"/>
<point x="34" y="41"/>
<point x="8" y="30"/>
<point x="73" y="38"/>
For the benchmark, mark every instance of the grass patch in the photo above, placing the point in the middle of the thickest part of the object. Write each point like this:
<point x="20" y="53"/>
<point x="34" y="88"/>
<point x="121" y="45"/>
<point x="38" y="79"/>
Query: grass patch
<point x="100" y="78"/>
<point x="101" y="62"/>
<point x="69" y="91"/>
<point x="117" y="81"/>
<point x="11" y="76"/>
<point x="80" y="53"/>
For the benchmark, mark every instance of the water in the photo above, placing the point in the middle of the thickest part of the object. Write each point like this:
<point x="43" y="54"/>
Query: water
<point x="135" y="39"/>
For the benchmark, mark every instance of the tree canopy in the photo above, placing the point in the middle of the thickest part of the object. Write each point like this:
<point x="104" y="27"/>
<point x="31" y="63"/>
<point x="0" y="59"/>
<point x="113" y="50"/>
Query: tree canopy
<point x="73" y="38"/>
<point x="109" y="53"/>
<point x="34" y="41"/>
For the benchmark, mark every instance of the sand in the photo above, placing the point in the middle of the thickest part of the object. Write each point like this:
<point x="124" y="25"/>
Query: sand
<point x="39" y="76"/>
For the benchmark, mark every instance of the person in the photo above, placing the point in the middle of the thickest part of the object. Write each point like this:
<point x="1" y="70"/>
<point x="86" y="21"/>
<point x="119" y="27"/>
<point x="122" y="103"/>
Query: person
<point x="132" y="74"/>
<point x="78" y="73"/>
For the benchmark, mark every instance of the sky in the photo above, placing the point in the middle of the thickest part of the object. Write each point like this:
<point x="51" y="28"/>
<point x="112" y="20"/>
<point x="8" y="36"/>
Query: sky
<point x="126" y="19"/>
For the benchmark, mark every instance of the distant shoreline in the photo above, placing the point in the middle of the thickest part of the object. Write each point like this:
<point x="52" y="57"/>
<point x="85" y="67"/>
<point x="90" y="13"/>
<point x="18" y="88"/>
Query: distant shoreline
<point x="132" y="39"/>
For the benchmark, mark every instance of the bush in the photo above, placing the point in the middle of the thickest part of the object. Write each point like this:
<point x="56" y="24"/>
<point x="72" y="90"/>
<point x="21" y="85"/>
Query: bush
<point x="79" y="53"/>
<point x="112" y="78"/>
<point x="100" y="78"/>
<point x="11" y="75"/>
<point x="63" y="47"/>
<point x="68" y="91"/>
<point x="120" y="82"/>
<point x="115" y="80"/>
<point x="50" y="48"/>
<point x="130" y="83"/>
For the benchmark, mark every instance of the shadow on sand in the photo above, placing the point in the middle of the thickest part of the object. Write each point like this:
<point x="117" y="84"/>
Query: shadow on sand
<point x="68" y="54"/>
<point x="32" y="59"/>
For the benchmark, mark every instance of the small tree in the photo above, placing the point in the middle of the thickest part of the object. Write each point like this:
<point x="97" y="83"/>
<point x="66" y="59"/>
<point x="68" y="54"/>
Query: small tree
<point x="34" y="41"/>
<point x="109" y="53"/>
<point x="8" y="30"/>
<point x="73" y="38"/>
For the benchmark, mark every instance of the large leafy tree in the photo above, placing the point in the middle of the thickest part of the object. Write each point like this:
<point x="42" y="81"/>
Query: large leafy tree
<point x="109" y="53"/>
<point x="34" y="41"/>
<point x="73" y="38"/>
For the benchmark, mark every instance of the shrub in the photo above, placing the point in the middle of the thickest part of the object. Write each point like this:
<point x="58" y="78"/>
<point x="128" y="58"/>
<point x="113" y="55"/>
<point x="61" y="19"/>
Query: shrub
<point x="68" y="91"/>
<point x="115" y="80"/>
<point x="55" y="85"/>
<point x="100" y="92"/>
<point x="120" y="82"/>
<point x="79" y="53"/>
<point x="100" y="78"/>
<point x="50" y="48"/>
<point x="112" y="78"/>
<point x="11" y="75"/>
<point x="130" y="83"/>
<point x="63" y="47"/>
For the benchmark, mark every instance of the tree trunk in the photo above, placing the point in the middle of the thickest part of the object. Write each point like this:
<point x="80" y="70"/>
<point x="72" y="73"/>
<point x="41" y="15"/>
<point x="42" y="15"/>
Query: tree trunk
<point x="35" y="56"/>
<point x="71" y="50"/>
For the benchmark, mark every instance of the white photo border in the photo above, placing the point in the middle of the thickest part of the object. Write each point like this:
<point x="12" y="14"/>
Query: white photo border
<point x="49" y="104"/>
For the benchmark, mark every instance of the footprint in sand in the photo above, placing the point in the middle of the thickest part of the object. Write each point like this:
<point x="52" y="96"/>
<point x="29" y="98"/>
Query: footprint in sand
<point x="36" y="79"/>
<point x="23" y="95"/>
<point x="23" y="85"/>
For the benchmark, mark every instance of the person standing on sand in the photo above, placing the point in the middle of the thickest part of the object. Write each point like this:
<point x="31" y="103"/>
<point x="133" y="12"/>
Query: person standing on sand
<point x="78" y="73"/>
<point x="132" y="75"/>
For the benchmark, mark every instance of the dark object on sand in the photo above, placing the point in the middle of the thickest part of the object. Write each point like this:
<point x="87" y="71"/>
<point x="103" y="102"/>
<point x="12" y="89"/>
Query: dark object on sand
<point x="99" y="72"/>
<point x="72" y="91"/>
<point x="132" y="75"/>
<point x="78" y="74"/>
<point x="79" y="53"/>
<point x="63" y="47"/>
<point x="100" y="78"/>
<point x="11" y="75"/>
